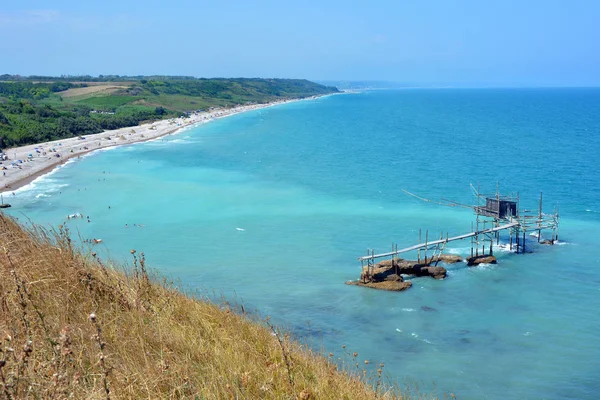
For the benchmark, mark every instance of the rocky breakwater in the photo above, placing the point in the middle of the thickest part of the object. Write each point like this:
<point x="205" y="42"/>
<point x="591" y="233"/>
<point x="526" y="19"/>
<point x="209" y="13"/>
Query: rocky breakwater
<point x="387" y="274"/>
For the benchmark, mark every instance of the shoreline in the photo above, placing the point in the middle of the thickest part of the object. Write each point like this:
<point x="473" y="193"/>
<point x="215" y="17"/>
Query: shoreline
<point x="47" y="156"/>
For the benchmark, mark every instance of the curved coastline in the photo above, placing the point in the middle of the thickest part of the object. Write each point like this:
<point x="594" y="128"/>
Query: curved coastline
<point x="44" y="159"/>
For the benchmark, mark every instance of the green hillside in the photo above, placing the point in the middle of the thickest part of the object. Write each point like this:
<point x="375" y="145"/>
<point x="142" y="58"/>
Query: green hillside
<point x="37" y="109"/>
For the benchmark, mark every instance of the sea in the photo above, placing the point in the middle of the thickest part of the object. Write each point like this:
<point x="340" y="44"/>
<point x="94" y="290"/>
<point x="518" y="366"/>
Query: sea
<point x="271" y="209"/>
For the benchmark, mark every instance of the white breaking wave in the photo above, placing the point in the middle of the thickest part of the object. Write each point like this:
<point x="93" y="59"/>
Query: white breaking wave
<point x="459" y="250"/>
<point x="44" y="184"/>
<point x="484" y="267"/>
<point x="102" y="150"/>
<point x="505" y="247"/>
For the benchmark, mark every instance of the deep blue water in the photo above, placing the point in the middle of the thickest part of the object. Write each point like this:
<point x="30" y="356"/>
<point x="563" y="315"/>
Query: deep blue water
<point x="274" y="206"/>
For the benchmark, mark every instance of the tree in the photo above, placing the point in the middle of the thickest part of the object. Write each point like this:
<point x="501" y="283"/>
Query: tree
<point x="3" y="119"/>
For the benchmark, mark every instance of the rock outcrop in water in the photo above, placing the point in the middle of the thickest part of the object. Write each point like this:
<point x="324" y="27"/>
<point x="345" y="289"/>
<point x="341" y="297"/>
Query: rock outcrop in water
<point x="387" y="274"/>
<point x="482" y="259"/>
<point x="394" y="286"/>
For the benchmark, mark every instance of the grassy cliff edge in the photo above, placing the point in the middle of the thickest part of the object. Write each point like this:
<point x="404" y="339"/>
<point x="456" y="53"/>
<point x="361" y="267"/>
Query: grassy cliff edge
<point x="72" y="327"/>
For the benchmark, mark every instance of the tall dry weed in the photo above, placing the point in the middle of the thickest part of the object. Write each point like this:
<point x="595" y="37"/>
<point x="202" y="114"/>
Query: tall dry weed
<point x="74" y="326"/>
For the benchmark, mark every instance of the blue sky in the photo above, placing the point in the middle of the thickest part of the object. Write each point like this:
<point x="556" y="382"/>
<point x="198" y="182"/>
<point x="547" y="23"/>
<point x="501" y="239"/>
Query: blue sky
<point x="422" y="42"/>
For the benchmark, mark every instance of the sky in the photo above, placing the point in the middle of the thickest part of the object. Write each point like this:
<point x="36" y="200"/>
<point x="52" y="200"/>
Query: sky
<point x="417" y="42"/>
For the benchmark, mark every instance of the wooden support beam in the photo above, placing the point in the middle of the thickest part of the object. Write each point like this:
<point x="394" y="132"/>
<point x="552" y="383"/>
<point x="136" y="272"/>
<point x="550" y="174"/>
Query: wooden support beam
<point x="435" y="242"/>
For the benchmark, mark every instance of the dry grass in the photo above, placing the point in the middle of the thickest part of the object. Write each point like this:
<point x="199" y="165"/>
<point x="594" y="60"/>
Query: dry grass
<point x="101" y="89"/>
<point x="72" y="327"/>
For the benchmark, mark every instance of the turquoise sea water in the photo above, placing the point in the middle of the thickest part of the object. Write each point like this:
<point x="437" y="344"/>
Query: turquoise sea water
<point x="274" y="206"/>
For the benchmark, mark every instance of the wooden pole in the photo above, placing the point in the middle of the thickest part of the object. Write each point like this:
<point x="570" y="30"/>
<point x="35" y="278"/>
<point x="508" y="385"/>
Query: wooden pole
<point x="397" y="272"/>
<point x="396" y="258"/>
<point x="557" y="223"/>
<point x="477" y="237"/>
<point x="483" y="242"/>
<point x="426" y="239"/>
<point x="372" y="264"/>
<point x="419" y="251"/>
<point x="497" y="233"/>
<point x="540" y="219"/>
<point x="362" y="271"/>
<point x="471" y="239"/>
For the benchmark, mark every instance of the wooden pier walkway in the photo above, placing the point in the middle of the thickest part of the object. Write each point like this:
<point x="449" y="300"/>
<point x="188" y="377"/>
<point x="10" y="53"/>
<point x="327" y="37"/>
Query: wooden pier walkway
<point x="440" y="241"/>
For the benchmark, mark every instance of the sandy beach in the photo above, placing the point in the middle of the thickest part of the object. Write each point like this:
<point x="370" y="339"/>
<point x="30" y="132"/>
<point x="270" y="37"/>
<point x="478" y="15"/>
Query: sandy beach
<point x="27" y="163"/>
